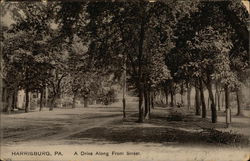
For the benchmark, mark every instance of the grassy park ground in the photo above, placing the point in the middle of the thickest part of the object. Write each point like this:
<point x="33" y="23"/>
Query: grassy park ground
<point x="173" y="132"/>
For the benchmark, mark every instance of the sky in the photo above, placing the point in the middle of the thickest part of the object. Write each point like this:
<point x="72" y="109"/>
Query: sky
<point x="247" y="4"/>
<point x="7" y="20"/>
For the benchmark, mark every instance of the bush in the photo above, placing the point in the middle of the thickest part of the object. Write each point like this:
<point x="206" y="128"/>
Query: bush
<point x="214" y="136"/>
<point x="175" y="116"/>
<point x="108" y="97"/>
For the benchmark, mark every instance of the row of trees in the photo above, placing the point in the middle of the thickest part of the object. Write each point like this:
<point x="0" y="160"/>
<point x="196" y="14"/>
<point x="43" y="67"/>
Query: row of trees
<point x="38" y="56"/>
<point x="213" y="51"/>
<point x="165" y="45"/>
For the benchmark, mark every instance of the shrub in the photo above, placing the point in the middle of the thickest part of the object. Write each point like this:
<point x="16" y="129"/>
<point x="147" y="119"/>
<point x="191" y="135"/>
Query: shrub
<point x="215" y="136"/>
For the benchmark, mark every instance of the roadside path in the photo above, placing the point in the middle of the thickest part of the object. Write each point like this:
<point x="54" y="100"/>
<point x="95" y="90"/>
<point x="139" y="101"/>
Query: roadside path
<point x="101" y="129"/>
<point x="49" y="126"/>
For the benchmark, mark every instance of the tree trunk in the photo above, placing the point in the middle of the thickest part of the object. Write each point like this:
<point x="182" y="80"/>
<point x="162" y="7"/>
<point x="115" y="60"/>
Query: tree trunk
<point x="41" y="100"/>
<point x="208" y="102"/>
<point x="140" y="116"/>
<point x="161" y="98"/>
<point x="9" y="102"/>
<point x="152" y="100"/>
<point x="218" y="101"/>
<point x="52" y="103"/>
<point x="227" y="103"/>
<point x="175" y="99"/>
<point x="46" y="97"/>
<point x="171" y="99"/>
<point x="27" y="99"/>
<point x="124" y="107"/>
<point x="211" y="96"/>
<point x="146" y="103"/>
<point x="74" y="101"/>
<point x="86" y="101"/>
<point x="188" y="96"/>
<point x="217" y="96"/>
<point x="1" y="87"/>
<point x="51" y="108"/>
<point x="223" y="100"/>
<point x="149" y="104"/>
<point x="166" y="95"/>
<point x="140" y="64"/>
<point x="182" y="89"/>
<point x="227" y="95"/>
<point x="202" y="98"/>
<point x="124" y="87"/>
<point x="238" y="97"/>
<point x="182" y="99"/>
<point x="197" y="102"/>
<point x="14" y="100"/>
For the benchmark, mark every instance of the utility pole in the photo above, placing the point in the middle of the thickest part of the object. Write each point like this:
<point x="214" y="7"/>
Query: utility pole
<point x="124" y="86"/>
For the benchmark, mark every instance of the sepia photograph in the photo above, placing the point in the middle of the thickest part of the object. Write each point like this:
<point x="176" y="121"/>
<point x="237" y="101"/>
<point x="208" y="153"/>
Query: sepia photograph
<point x="125" y="80"/>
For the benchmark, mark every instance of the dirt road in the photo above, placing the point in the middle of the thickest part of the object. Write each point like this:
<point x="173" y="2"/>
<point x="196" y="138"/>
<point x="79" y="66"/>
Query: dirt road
<point x="58" y="124"/>
<point x="102" y="129"/>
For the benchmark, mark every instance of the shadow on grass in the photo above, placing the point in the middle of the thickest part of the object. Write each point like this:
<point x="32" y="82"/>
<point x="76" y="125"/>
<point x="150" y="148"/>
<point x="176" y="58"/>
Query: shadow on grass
<point x="28" y="133"/>
<point x="20" y="111"/>
<point x="176" y="121"/>
<point x="118" y="110"/>
<point x="174" y="128"/>
<point x="103" y="116"/>
<point x="159" y="135"/>
<point x="122" y="135"/>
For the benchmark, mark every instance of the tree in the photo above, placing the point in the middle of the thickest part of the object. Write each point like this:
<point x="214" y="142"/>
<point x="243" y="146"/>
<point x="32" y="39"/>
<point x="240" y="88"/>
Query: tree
<point x="132" y="23"/>
<point x="197" y="101"/>
<point x="25" y="46"/>
<point x="207" y="67"/>
<point x="24" y="55"/>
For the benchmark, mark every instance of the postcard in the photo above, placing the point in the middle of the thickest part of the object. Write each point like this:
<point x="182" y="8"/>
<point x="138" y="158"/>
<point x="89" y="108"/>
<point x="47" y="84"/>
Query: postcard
<point x="121" y="80"/>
